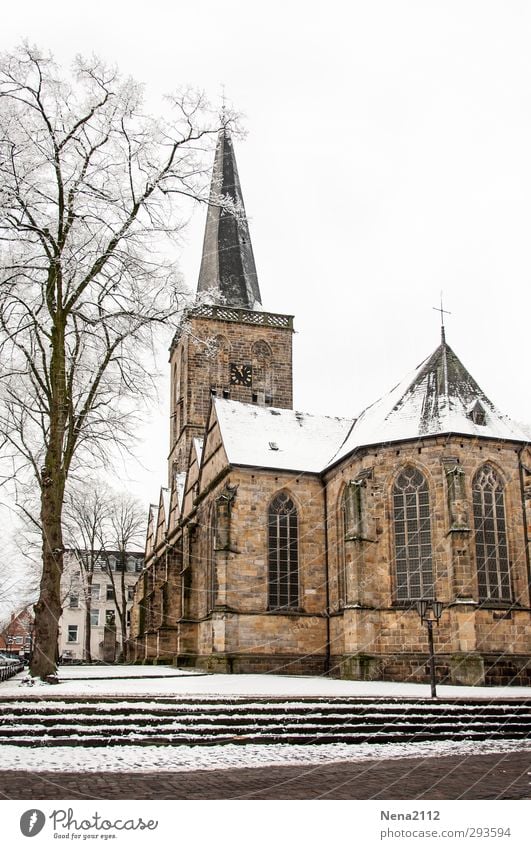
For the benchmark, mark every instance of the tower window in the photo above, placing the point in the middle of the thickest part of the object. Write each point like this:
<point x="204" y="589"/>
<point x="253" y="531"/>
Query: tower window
<point x="492" y="559"/>
<point x="412" y="527"/>
<point x="283" y="554"/>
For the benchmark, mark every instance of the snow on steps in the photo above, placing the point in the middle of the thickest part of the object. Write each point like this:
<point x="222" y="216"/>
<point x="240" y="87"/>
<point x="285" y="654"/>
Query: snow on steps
<point x="163" y="722"/>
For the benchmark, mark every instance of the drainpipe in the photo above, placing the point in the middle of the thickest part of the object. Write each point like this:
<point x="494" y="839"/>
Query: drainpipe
<point x="327" y="582"/>
<point x="524" y="513"/>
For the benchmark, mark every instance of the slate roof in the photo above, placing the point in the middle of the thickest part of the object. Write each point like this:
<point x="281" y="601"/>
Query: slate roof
<point x="440" y="396"/>
<point x="227" y="264"/>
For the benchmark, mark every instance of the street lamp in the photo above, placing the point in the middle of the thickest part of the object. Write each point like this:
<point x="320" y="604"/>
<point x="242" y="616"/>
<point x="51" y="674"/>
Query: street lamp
<point x="430" y="612"/>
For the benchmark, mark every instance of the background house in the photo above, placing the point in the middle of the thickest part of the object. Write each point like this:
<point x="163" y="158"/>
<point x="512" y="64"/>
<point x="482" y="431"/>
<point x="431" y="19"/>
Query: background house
<point x="16" y="638"/>
<point x="96" y="587"/>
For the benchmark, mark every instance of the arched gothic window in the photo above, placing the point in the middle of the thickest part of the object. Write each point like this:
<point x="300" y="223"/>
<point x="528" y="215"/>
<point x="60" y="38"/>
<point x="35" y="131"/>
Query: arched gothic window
<point x="262" y="388"/>
<point x="412" y="524"/>
<point x="283" y="552"/>
<point x="219" y="355"/>
<point x="492" y="558"/>
<point x="341" y="552"/>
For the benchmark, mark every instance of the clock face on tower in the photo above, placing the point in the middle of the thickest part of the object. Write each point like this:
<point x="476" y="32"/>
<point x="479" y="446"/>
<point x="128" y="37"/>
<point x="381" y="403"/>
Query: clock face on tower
<point x="240" y="374"/>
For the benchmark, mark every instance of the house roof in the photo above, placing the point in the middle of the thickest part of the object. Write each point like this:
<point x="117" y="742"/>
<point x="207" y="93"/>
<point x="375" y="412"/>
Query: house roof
<point x="439" y="396"/>
<point x="273" y="438"/>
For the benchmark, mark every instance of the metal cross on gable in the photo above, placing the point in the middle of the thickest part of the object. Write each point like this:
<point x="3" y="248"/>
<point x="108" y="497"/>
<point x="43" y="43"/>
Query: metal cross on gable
<point x="443" y="312"/>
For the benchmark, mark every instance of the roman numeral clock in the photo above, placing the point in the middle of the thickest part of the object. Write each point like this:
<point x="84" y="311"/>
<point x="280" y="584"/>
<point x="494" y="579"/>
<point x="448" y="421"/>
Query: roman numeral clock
<point x="241" y="374"/>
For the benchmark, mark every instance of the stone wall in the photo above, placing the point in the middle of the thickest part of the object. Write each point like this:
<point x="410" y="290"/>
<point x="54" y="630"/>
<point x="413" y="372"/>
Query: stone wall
<point x="200" y="363"/>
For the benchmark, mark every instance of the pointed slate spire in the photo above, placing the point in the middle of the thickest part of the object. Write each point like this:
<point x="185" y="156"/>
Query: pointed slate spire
<point x="227" y="264"/>
<point x="439" y="397"/>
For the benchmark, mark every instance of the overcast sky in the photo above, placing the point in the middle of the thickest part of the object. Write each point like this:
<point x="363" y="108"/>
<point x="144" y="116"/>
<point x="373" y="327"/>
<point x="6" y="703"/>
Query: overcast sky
<point x="388" y="157"/>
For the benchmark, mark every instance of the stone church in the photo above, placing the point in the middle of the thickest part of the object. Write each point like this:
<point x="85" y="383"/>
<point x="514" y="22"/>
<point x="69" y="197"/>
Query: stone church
<point x="295" y="543"/>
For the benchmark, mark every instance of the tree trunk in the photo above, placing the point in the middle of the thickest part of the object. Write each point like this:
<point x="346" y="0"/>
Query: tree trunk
<point x="52" y="482"/>
<point x="88" y="620"/>
<point x="48" y="608"/>
<point x="121" y="605"/>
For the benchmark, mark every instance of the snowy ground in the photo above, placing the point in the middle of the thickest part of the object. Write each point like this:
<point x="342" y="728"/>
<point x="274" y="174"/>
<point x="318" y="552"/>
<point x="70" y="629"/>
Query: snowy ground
<point x="151" y="682"/>
<point x="165" y="681"/>
<point x="188" y="758"/>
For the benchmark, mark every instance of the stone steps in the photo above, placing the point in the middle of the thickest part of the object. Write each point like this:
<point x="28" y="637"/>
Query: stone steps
<point x="214" y="722"/>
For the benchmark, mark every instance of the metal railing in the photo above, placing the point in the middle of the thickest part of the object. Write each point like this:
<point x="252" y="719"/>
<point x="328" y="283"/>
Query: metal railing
<point x="10" y="669"/>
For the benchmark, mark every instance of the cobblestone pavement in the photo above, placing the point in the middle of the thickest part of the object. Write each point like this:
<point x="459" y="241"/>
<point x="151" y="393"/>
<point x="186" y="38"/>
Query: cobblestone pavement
<point x="494" y="776"/>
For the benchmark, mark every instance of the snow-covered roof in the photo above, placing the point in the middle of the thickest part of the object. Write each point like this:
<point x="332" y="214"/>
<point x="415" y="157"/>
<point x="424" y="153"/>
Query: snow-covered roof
<point x="198" y="447"/>
<point x="165" y="493"/>
<point x="273" y="438"/>
<point x="439" y="396"/>
<point x="180" y="480"/>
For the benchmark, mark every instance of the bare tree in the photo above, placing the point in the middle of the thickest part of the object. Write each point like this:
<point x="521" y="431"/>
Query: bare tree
<point x="125" y="531"/>
<point x="101" y="529"/>
<point x="19" y="566"/>
<point x="85" y="512"/>
<point x="85" y="184"/>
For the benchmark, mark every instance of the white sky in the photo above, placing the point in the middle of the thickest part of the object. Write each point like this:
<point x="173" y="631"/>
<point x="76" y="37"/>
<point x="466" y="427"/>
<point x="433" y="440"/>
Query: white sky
<point x="388" y="157"/>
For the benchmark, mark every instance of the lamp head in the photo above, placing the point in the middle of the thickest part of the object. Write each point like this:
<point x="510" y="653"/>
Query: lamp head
<point x="437" y="607"/>
<point x="422" y="607"/>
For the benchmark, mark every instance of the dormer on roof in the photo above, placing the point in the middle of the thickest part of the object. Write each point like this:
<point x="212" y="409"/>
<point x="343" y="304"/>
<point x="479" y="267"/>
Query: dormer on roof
<point x="476" y="413"/>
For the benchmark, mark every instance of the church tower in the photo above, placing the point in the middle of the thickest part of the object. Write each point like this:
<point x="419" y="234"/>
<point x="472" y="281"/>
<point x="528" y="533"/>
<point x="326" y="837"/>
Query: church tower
<point x="226" y="345"/>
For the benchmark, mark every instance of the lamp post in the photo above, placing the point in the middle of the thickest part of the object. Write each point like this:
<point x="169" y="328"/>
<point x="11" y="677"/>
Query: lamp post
<point x="430" y="612"/>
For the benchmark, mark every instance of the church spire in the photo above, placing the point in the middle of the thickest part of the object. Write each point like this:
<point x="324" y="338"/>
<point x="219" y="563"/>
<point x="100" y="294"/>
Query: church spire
<point x="227" y="264"/>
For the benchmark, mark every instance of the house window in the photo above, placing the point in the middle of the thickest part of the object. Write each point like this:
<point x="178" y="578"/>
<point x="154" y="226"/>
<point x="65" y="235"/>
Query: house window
<point x="283" y="554"/>
<point x="72" y="633"/>
<point x="492" y="559"/>
<point x="128" y="618"/>
<point x="73" y="601"/>
<point x="412" y="527"/>
<point x="95" y="592"/>
<point x="110" y="593"/>
<point x="110" y="617"/>
<point x="130" y="593"/>
<point x="94" y="618"/>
